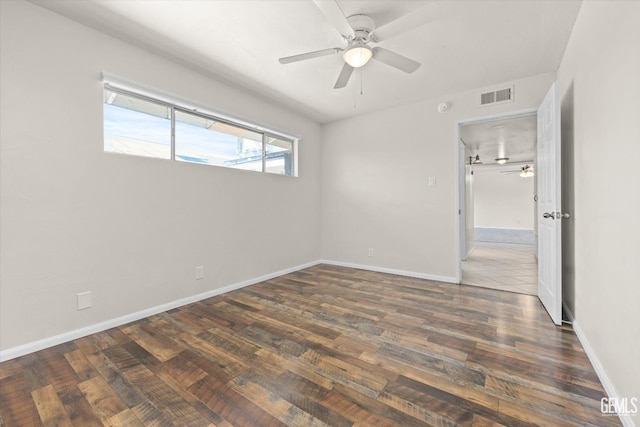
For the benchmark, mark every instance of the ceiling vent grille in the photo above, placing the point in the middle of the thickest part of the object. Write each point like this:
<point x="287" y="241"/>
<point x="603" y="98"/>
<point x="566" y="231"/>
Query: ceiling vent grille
<point x="496" y="97"/>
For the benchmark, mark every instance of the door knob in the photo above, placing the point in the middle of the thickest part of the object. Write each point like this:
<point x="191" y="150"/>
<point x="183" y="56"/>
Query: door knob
<point x="549" y="215"/>
<point x="563" y="215"/>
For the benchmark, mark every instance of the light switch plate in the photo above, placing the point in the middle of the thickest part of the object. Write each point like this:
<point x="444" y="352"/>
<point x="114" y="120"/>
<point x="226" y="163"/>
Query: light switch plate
<point x="84" y="300"/>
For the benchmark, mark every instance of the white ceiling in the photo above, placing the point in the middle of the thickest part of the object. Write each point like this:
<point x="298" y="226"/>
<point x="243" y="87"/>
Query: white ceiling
<point x="462" y="46"/>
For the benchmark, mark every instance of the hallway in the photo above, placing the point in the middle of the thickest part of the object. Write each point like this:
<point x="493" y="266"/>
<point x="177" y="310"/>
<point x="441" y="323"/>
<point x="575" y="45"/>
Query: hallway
<point x="502" y="266"/>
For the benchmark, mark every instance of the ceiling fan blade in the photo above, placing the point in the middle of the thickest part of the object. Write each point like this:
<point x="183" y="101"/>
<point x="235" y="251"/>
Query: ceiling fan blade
<point x="395" y="60"/>
<point x="309" y="55"/>
<point x="344" y="76"/>
<point x="408" y="22"/>
<point x="331" y="10"/>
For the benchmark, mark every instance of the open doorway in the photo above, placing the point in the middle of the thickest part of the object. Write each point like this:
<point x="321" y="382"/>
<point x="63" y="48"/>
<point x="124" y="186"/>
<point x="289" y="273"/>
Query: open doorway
<point x="499" y="223"/>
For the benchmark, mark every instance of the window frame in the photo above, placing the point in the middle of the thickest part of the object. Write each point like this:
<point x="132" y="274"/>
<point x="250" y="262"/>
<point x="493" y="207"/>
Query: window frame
<point x="213" y="118"/>
<point x="149" y="100"/>
<point x="114" y="85"/>
<point x="294" y="154"/>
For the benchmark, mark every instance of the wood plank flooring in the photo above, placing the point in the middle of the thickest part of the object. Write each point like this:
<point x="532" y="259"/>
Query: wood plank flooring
<point x="323" y="346"/>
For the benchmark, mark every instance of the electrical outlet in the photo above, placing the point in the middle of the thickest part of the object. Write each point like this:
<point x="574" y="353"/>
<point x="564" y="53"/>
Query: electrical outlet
<point x="370" y="253"/>
<point x="199" y="273"/>
<point x="84" y="300"/>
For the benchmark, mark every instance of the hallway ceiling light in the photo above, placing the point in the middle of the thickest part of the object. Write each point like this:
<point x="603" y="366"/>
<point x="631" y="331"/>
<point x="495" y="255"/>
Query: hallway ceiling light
<point x="502" y="160"/>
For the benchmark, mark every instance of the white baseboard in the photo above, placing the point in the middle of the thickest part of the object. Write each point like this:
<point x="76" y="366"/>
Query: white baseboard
<point x="21" y="350"/>
<point x="446" y="279"/>
<point x="565" y="307"/>
<point x="473" y="248"/>
<point x="627" y="421"/>
<point x="24" y="349"/>
<point x="31" y="347"/>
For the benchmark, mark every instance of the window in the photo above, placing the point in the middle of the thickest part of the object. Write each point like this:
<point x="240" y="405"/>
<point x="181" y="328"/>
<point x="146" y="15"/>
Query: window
<point x="135" y="126"/>
<point x="143" y="126"/>
<point x="279" y="155"/>
<point x="200" y="139"/>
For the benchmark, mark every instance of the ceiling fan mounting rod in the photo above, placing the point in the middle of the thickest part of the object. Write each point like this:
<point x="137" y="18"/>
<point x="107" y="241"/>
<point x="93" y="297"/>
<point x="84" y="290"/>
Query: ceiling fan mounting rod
<point x="359" y="38"/>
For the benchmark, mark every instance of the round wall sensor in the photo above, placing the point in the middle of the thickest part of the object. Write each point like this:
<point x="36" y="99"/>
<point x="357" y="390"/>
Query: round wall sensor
<point x="443" y="107"/>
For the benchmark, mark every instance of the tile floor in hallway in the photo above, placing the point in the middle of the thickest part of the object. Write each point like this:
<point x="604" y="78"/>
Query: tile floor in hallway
<point x="503" y="266"/>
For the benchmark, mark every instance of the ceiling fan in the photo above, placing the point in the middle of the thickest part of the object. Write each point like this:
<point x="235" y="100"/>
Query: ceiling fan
<point x="358" y="32"/>
<point x="526" y="171"/>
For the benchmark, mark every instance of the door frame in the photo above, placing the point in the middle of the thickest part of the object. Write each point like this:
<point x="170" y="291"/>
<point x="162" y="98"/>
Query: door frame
<point x="460" y="161"/>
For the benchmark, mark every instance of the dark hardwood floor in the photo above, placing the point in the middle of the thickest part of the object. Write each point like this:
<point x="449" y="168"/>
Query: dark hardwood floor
<point x="323" y="346"/>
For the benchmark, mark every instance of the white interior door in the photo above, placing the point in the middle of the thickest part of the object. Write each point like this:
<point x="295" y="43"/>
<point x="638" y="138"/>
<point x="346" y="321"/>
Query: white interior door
<point x="549" y="203"/>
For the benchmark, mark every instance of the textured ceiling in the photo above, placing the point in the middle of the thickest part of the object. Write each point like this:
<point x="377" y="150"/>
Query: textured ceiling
<point x="462" y="45"/>
<point x="513" y="138"/>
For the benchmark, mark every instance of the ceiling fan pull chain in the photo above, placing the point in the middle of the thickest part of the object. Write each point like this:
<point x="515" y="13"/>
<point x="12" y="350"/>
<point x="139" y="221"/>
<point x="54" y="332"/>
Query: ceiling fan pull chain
<point x="361" y="73"/>
<point x="354" y="96"/>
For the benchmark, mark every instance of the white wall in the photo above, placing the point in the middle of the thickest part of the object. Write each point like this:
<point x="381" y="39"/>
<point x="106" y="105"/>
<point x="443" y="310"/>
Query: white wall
<point x="131" y="230"/>
<point x="375" y="171"/>
<point x="602" y="61"/>
<point x="502" y="200"/>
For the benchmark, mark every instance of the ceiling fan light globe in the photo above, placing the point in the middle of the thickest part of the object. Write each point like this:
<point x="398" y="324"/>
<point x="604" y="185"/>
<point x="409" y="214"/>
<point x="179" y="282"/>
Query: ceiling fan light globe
<point x="358" y="55"/>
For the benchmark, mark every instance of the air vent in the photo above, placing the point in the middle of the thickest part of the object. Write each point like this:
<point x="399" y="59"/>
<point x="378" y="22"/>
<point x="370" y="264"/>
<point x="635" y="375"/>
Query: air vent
<point x="487" y="98"/>
<point x="496" y="96"/>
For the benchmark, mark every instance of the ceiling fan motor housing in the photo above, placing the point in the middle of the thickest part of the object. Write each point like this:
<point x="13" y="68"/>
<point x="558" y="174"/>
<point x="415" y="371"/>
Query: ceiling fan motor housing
<point x="362" y="25"/>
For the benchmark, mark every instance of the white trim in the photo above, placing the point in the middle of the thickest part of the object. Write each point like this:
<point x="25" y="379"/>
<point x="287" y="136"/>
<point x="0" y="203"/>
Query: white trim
<point x="21" y="350"/>
<point x="505" y="228"/>
<point x="470" y="252"/>
<point x="446" y="279"/>
<point x="28" y="348"/>
<point x="459" y="146"/>
<point x="31" y="347"/>
<point x="565" y="307"/>
<point x="626" y="421"/>
<point x="498" y="116"/>
<point x="460" y="232"/>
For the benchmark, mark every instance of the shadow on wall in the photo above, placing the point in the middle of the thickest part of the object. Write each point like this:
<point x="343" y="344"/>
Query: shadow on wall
<point x="568" y="200"/>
